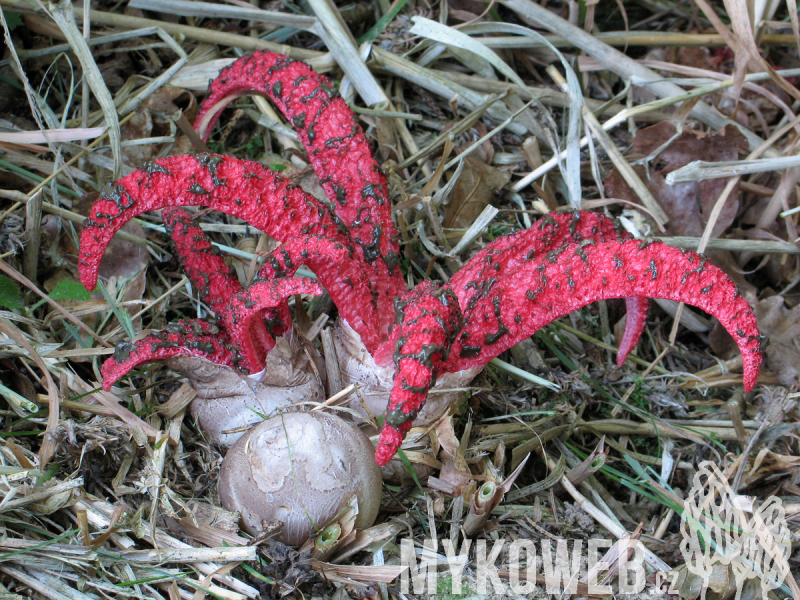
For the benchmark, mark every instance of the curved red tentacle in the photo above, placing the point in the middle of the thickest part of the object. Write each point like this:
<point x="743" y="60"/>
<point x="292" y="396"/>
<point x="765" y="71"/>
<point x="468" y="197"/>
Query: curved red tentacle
<point x="246" y="190"/>
<point x="247" y="308"/>
<point x="361" y="299"/>
<point x="512" y="307"/>
<point x="239" y="188"/>
<point x="635" y="321"/>
<point x="507" y="254"/>
<point x="188" y="337"/>
<point x="430" y="322"/>
<point x="336" y="145"/>
<point x="206" y="269"/>
<point x="201" y="261"/>
<point x="548" y="287"/>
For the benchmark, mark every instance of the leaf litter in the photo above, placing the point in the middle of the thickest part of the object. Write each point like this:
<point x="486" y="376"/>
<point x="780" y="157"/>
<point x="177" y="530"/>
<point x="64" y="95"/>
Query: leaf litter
<point x="132" y="472"/>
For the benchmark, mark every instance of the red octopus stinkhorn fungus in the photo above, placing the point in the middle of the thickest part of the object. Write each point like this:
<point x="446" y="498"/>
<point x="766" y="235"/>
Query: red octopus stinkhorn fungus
<point x="339" y="154"/>
<point x="509" y="290"/>
<point x="239" y="339"/>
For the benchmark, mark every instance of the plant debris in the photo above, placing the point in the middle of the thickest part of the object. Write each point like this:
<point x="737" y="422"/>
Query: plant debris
<point x="453" y="248"/>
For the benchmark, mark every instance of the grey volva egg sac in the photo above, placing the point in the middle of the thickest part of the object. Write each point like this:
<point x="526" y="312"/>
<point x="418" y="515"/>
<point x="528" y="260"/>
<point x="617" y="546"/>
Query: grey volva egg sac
<point x="358" y="366"/>
<point x="227" y="403"/>
<point x="297" y="468"/>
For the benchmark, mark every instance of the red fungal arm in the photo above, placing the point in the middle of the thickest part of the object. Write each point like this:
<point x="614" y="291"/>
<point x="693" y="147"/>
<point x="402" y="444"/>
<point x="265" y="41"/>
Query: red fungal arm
<point x="513" y="306"/>
<point x="430" y="321"/>
<point x="249" y="191"/>
<point x="336" y="145"/>
<point x="201" y="261"/>
<point x="233" y="343"/>
<point x="247" y="308"/>
<point x="239" y="188"/>
<point x="210" y="276"/>
<point x="188" y="337"/>
<point x="362" y="300"/>
<point x="635" y="321"/>
<point x="507" y="254"/>
<point x="547" y="287"/>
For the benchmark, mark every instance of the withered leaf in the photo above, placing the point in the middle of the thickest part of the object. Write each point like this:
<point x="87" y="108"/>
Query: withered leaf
<point x="782" y="328"/>
<point x="474" y="190"/>
<point x="687" y="204"/>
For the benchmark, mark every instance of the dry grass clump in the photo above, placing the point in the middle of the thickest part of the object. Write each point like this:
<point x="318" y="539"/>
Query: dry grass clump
<point x="481" y="129"/>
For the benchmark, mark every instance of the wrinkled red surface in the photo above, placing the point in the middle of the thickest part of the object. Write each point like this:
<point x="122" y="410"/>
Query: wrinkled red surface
<point x="234" y="341"/>
<point x="390" y="442"/>
<point x="507" y="254"/>
<point x="214" y="281"/>
<point x="431" y="320"/>
<point x="259" y="196"/>
<point x="531" y="289"/>
<point x="239" y="188"/>
<point x="188" y="337"/>
<point x="688" y="205"/>
<point x="241" y="338"/>
<point x="574" y="275"/>
<point x="201" y="261"/>
<point x="336" y="145"/>
<point x="245" y="310"/>
<point x="361" y="299"/>
<point x="515" y="286"/>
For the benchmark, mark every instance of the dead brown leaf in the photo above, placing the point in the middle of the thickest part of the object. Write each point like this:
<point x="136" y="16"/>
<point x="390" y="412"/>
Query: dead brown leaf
<point x="781" y="326"/>
<point x="474" y="190"/>
<point x="152" y="119"/>
<point x="455" y="475"/>
<point x="129" y="262"/>
<point x="687" y="204"/>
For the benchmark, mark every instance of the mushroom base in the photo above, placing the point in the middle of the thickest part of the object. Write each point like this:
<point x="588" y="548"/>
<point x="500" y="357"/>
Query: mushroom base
<point x="357" y="366"/>
<point x="300" y="468"/>
<point x="227" y="404"/>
